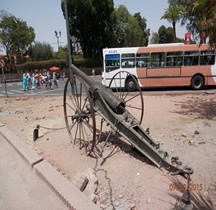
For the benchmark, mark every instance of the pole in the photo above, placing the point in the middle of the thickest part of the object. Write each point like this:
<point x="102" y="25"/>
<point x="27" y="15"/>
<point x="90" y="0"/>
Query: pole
<point x="5" y="85"/>
<point x="2" y="64"/>
<point x="68" y="38"/>
<point x="58" y="35"/>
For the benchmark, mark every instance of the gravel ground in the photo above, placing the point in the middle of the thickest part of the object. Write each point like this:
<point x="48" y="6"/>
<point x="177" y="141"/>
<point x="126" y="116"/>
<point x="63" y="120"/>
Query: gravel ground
<point x="183" y="124"/>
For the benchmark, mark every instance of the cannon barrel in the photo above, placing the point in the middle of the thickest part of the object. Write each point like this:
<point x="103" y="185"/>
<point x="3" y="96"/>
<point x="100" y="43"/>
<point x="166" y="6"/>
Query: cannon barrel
<point x="116" y="104"/>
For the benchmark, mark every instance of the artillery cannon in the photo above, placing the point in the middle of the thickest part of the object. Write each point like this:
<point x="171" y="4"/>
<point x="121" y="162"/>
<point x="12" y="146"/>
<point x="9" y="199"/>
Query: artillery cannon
<point x="85" y="99"/>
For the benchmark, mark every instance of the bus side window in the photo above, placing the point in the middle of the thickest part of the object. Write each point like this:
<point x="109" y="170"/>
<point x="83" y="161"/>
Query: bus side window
<point x="174" y="58"/>
<point x="207" y="58"/>
<point x="142" y="60"/>
<point x="128" y="60"/>
<point x="125" y="64"/>
<point x="191" y="58"/>
<point x="158" y="59"/>
<point x="211" y="60"/>
<point x="204" y="60"/>
<point x="195" y="61"/>
<point x="188" y="61"/>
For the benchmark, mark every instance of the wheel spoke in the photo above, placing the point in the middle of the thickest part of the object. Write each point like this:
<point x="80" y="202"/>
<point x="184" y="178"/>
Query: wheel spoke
<point x="70" y="107"/>
<point x="79" y="114"/>
<point x="129" y="99"/>
<point x="134" y="107"/>
<point x="89" y="126"/>
<point x="71" y="127"/>
<point x="76" y="132"/>
<point x="122" y="91"/>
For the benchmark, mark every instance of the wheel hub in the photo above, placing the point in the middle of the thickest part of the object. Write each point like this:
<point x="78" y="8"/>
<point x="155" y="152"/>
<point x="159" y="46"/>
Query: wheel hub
<point x="80" y="115"/>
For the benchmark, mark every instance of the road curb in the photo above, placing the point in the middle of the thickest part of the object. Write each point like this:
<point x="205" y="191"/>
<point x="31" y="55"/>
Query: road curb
<point x="71" y="196"/>
<point x="66" y="191"/>
<point x="29" y="156"/>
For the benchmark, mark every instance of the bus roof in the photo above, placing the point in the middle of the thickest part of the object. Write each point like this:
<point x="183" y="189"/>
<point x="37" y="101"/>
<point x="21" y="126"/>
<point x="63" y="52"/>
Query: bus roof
<point x="158" y="48"/>
<point x="166" y="44"/>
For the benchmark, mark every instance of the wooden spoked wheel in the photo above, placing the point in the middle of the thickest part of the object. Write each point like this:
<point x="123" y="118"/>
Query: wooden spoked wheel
<point x="126" y="87"/>
<point x="79" y="114"/>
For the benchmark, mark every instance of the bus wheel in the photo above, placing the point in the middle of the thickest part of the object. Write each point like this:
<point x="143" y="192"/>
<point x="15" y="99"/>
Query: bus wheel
<point x="131" y="84"/>
<point x="197" y="82"/>
<point x="133" y="100"/>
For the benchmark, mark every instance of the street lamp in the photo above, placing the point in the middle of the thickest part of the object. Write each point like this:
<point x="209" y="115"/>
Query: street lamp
<point x="58" y="35"/>
<point x="68" y="36"/>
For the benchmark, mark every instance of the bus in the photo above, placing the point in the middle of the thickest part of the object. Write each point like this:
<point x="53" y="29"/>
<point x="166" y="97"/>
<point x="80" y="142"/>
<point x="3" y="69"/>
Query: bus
<point x="161" y="65"/>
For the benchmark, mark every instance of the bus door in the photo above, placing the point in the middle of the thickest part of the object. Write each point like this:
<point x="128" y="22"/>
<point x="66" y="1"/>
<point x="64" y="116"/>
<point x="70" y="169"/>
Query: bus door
<point x="164" y="69"/>
<point x="111" y="66"/>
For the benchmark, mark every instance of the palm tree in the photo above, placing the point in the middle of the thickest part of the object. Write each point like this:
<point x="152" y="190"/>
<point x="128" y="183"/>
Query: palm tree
<point x="205" y="13"/>
<point x="173" y="14"/>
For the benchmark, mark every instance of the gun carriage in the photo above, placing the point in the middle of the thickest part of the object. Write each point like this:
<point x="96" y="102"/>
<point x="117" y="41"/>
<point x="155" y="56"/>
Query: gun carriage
<point x="84" y="99"/>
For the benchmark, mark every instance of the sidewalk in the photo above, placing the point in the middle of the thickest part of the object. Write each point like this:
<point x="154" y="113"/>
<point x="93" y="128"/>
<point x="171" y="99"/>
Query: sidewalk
<point x="29" y="182"/>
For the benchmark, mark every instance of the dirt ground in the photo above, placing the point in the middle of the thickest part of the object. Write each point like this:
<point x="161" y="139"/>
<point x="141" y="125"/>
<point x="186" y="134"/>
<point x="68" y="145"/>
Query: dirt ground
<point x="183" y="124"/>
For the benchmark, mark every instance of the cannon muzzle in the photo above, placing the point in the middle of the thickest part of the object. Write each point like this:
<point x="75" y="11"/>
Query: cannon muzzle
<point x="116" y="104"/>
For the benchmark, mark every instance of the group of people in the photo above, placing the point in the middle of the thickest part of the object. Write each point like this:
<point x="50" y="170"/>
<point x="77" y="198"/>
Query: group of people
<point x="36" y="81"/>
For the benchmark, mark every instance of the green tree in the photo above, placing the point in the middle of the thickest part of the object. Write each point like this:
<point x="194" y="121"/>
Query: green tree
<point x="40" y="51"/>
<point x="205" y="13"/>
<point x="162" y="34"/>
<point x="169" y="35"/>
<point x="129" y="30"/>
<point x="173" y="14"/>
<point x="143" y="25"/>
<point x="165" y="35"/>
<point x="15" y="35"/>
<point x="199" y="12"/>
<point x="90" y="21"/>
<point x="154" y="38"/>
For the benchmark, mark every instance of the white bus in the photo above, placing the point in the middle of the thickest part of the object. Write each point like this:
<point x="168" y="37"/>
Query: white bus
<point x="161" y="65"/>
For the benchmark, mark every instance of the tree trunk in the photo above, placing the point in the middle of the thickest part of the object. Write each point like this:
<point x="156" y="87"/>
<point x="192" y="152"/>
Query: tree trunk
<point x="174" y="31"/>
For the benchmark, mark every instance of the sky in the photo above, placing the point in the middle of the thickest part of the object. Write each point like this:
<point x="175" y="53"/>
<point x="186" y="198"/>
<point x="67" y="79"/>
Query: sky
<point x="45" y="16"/>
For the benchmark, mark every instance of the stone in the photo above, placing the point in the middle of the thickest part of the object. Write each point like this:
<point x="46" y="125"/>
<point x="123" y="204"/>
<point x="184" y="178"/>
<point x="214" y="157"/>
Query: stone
<point x="148" y="200"/>
<point x="184" y="135"/>
<point x="93" y="181"/>
<point x="120" y="196"/>
<point x="132" y="206"/>
<point x="196" y="132"/>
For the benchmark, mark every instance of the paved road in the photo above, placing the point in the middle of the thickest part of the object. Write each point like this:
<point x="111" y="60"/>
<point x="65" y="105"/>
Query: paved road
<point x="14" y="89"/>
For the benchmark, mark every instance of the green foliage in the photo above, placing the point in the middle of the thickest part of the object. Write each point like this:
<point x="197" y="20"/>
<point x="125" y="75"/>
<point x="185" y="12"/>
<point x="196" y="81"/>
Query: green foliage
<point x="61" y="63"/>
<point x="15" y="35"/>
<point x="162" y="34"/>
<point x="154" y="38"/>
<point x="97" y="25"/>
<point x="198" y="12"/>
<point x="165" y="35"/>
<point x="129" y="30"/>
<point x="89" y="63"/>
<point x="32" y="65"/>
<point x="91" y="23"/>
<point x="173" y="14"/>
<point x="40" y="51"/>
<point x="143" y="25"/>
<point x="169" y="35"/>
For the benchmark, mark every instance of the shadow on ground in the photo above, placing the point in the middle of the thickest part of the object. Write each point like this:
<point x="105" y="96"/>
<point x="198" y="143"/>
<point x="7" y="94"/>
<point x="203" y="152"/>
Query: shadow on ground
<point x="199" y="108"/>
